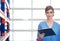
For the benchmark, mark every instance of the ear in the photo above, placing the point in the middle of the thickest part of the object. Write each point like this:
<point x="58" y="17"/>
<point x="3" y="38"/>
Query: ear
<point x="53" y="15"/>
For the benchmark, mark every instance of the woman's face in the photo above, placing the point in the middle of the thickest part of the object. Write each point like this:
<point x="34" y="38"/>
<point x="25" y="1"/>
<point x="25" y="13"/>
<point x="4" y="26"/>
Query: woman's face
<point x="49" y="14"/>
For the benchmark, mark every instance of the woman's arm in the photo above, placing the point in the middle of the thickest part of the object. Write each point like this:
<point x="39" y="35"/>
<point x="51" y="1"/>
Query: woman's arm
<point x="40" y="36"/>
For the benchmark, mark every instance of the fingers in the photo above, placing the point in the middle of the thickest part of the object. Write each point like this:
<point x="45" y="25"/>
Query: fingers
<point x="42" y="35"/>
<point x="39" y="39"/>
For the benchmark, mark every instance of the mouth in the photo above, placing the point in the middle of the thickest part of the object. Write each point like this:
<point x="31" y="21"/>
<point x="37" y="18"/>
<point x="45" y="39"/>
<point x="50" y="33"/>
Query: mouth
<point x="48" y="16"/>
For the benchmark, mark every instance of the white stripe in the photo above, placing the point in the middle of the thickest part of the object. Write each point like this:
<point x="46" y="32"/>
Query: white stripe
<point x="3" y="16"/>
<point x="4" y="37"/>
<point x="7" y="3"/>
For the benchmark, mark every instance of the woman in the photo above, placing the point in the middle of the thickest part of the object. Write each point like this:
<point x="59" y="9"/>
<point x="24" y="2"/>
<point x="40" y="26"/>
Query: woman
<point x="49" y="23"/>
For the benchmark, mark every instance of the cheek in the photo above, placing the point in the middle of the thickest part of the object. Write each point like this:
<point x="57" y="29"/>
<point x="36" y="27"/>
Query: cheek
<point x="47" y="14"/>
<point x="52" y="14"/>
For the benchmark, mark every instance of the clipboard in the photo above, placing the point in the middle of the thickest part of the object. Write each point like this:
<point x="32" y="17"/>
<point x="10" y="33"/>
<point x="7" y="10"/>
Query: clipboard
<point x="48" y="32"/>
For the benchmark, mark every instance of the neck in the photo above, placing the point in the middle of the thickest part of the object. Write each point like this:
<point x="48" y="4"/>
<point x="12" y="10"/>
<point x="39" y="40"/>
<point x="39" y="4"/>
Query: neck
<point x="49" y="20"/>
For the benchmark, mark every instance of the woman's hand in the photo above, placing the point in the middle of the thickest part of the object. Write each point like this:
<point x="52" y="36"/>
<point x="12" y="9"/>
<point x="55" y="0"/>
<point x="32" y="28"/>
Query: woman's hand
<point x="41" y="36"/>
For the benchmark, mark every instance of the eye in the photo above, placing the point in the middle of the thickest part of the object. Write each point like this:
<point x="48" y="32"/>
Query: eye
<point x="48" y="12"/>
<point x="51" y="12"/>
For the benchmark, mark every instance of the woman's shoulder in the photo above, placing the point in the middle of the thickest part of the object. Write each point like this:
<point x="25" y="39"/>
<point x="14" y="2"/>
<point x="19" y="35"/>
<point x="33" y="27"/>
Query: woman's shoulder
<point x="56" y="23"/>
<point x="42" y="22"/>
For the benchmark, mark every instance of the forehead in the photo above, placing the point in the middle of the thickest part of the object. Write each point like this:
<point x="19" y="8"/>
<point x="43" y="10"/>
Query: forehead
<point x="50" y="10"/>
